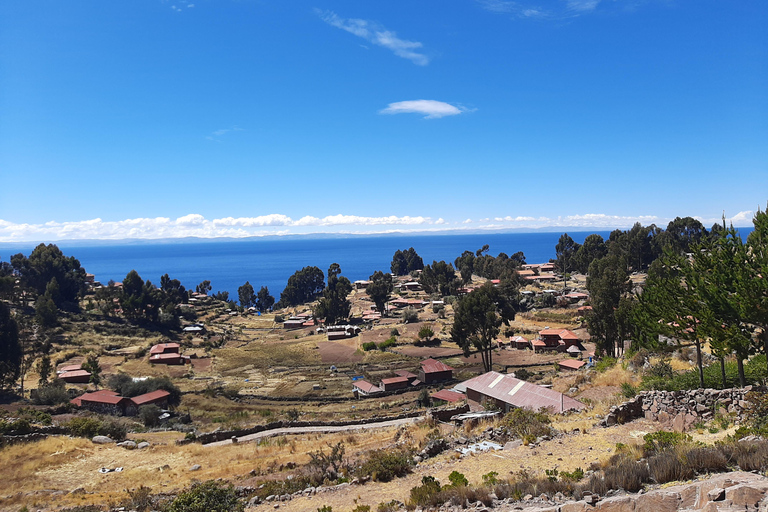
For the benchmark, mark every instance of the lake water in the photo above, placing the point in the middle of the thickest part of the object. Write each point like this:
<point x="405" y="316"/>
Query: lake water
<point x="269" y="262"/>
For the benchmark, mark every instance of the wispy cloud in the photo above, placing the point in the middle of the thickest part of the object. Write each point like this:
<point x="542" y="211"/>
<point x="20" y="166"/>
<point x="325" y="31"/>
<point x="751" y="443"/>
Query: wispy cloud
<point x="378" y="35"/>
<point x="562" y="9"/>
<point x="217" y="134"/>
<point x="430" y="108"/>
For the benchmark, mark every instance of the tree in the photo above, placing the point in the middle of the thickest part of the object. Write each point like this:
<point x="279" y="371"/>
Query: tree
<point x="592" y="249"/>
<point x="246" y="295"/>
<point x="47" y="262"/>
<point x="91" y="365"/>
<point x="264" y="301"/>
<point x="334" y="305"/>
<point x="607" y="283"/>
<point x="204" y="287"/>
<point x="46" y="312"/>
<point x="404" y="262"/>
<point x="44" y="370"/>
<point x="302" y="287"/>
<point x="756" y="284"/>
<point x="222" y="296"/>
<point x="478" y="318"/>
<point x="379" y="289"/>
<point x="440" y="277"/>
<point x="173" y="291"/>
<point x="10" y="348"/>
<point x="466" y="265"/>
<point x="565" y="249"/>
<point x="683" y="233"/>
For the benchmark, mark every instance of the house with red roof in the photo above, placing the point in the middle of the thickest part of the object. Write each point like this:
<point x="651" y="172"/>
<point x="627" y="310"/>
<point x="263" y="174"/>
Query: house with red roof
<point x="447" y="395"/>
<point x="394" y="383"/>
<point x="365" y="388"/>
<point x="158" y="397"/>
<point x="433" y="371"/>
<point x="571" y="364"/>
<point x="76" y="377"/>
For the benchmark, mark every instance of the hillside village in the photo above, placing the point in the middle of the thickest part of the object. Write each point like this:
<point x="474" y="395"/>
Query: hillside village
<point x="298" y="413"/>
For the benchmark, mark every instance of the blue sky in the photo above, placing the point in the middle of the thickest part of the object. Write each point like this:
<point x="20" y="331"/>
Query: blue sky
<point x="162" y="118"/>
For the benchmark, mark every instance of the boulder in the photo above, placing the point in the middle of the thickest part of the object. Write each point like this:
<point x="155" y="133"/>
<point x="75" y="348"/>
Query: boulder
<point x="657" y="502"/>
<point x="128" y="445"/>
<point x="102" y="440"/>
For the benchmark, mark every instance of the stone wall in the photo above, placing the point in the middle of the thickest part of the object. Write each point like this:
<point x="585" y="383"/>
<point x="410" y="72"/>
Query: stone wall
<point x="682" y="408"/>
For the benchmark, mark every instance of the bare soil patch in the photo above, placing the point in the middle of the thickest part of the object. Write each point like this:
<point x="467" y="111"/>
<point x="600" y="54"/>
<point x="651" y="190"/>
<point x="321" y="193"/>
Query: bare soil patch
<point x="336" y="353"/>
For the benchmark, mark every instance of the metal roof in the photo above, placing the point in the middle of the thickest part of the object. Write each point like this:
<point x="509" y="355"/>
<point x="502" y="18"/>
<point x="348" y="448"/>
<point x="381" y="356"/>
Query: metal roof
<point x="572" y="364"/>
<point x="394" y="380"/>
<point x="150" y="397"/>
<point x="564" y="334"/>
<point x="434" y="366"/>
<point x="448" y="395"/>
<point x="366" y="387"/>
<point x="520" y="393"/>
<point x="162" y="347"/>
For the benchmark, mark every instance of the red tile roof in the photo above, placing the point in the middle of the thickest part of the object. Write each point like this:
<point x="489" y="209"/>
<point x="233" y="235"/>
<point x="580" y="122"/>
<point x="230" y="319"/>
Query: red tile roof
<point x="520" y="393"/>
<point x="564" y="334"/>
<point x="102" y="398"/>
<point x="434" y="366"/>
<point x="69" y="368"/>
<point x="74" y="374"/>
<point x="107" y="392"/>
<point x="405" y="373"/>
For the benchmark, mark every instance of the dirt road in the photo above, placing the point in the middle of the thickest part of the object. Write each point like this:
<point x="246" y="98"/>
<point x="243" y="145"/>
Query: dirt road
<point x="318" y="430"/>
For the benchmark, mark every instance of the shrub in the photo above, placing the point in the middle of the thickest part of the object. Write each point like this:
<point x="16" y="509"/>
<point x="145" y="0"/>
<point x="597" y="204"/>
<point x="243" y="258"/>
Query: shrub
<point x="390" y="342"/>
<point x="139" y="499"/>
<point x="207" y="497"/>
<point x="89" y="427"/>
<point x="604" y="364"/>
<point x="369" y="345"/>
<point x="749" y="456"/>
<point x="458" y="479"/>
<point x="394" y="332"/>
<point x="656" y="442"/>
<point x="53" y="393"/>
<point x="126" y="386"/>
<point x="706" y="459"/>
<point x="389" y="506"/>
<point x="279" y="319"/>
<point x="628" y="390"/>
<point x="150" y="415"/>
<point x="426" y="494"/>
<point x="525" y="423"/>
<point x="667" y="467"/>
<point x="410" y="315"/>
<point x="16" y="426"/>
<point x="627" y="475"/>
<point x="384" y="465"/>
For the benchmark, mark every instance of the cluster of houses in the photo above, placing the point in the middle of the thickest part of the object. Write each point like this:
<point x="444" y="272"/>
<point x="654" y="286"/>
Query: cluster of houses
<point x="106" y="401"/>
<point x="167" y="353"/>
<point x="560" y="340"/>
<point x="432" y="372"/>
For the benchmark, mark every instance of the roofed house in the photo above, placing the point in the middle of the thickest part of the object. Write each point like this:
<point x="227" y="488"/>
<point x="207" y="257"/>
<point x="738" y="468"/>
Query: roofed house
<point x="394" y="383"/>
<point x="158" y="397"/>
<point x="556" y="339"/>
<point x="571" y="364"/>
<point x="168" y="358"/>
<point x="365" y="388"/>
<point x="412" y="377"/>
<point x="519" y="342"/>
<point x="165" y="348"/>
<point x="507" y="393"/>
<point x="433" y="371"/>
<point x="76" y="377"/>
<point x="104" y="402"/>
<point x="446" y="395"/>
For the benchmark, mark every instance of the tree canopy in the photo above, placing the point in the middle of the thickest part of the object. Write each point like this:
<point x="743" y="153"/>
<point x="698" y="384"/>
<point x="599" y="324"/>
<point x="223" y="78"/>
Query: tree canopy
<point x="45" y="263"/>
<point x="303" y="286"/>
<point x="10" y="348"/>
<point x="404" y="262"/>
<point x="246" y="295"/>
<point x="478" y="318"/>
<point x="264" y="301"/>
<point x="379" y="289"/>
<point x="334" y="304"/>
<point x="440" y="277"/>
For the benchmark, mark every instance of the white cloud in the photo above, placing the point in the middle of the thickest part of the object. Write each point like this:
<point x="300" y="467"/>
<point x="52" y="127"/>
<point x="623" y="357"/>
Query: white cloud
<point x="377" y="35"/>
<point x="528" y="9"/>
<point x="583" y="5"/>
<point x="433" y="109"/>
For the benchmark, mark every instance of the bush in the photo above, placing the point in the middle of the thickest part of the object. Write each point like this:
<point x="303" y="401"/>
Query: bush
<point x="390" y="342"/>
<point x="279" y="319"/>
<point x="667" y="467"/>
<point x="139" y="499"/>
<point x="426" y="494"/>
<point x="458" y="479"/>
<point x="394" y="332"/>
<point x="525" y="423"/>
<point x="50" y="394"/>
<point x="410" y="316"/>
<point x="627" y="475"/>
<point x="126" y="386"/>
<point x="369" y="345"/>
<point x="17" y="426"/>
<point x="150" y="415"/>
<point x="90" y="427"/>
<point x="656" y="442"/>
<point x="628" y="390"/>
<point x="384" y="465"/>
<point x="207" y="497"/>
<point x="605" y="363"/>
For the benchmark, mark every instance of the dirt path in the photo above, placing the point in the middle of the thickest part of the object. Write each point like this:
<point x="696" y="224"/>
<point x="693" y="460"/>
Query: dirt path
<point x="318" y="430"/>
